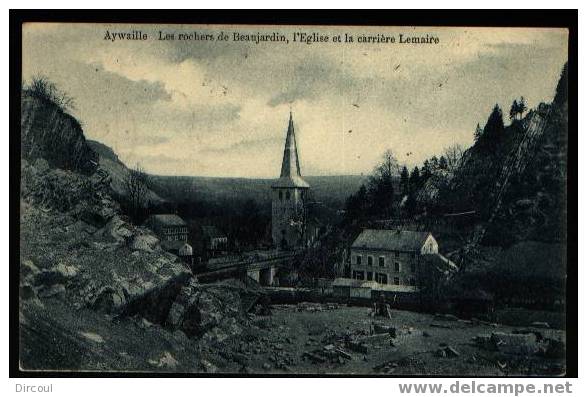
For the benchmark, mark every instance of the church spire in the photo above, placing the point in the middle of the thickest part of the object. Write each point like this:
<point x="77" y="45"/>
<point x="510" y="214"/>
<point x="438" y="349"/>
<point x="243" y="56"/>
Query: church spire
<point x="290" y="167"/>
<point x="290" y="175"/>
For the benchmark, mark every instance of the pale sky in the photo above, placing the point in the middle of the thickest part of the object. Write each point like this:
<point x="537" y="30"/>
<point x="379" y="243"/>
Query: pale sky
<point x="221" y="108"/>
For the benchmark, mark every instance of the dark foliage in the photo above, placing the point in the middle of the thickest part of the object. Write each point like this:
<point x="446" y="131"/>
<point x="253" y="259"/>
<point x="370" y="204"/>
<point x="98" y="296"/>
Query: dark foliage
<point x="494" y="128"/>
<point x="562" y="89"/>
<point x="43" y="89"/>
<point x="137" y="185"/>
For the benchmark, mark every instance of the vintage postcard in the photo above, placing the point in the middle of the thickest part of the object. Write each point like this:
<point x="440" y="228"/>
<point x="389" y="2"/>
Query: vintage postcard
<point x="293" y="200"/>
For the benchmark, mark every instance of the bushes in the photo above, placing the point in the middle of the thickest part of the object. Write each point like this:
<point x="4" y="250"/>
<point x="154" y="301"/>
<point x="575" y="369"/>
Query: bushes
<point x="42" y="88"/>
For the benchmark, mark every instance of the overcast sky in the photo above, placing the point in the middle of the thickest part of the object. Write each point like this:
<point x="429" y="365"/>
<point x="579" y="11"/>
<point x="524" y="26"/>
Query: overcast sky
<point x="221" y="108"/>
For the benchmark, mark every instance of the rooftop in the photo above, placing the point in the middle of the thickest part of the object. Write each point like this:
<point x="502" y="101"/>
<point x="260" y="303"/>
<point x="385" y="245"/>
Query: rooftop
<point x="212" y="232"/>
<point x="391" y="240"/>
<point x="167" y="220"/>
<point x="290" y="175"/>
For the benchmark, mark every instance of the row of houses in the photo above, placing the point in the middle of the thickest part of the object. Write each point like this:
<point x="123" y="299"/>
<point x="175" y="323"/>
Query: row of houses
<point x="174" y="235"/>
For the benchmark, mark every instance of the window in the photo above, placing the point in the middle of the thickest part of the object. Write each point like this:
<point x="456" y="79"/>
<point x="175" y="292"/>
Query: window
<point x="280" y="195"/>
<point x="396" y="267"/>
<point x="397" y="254"/>
<point x="412" y="281"/>
<point x="381" y="261"/>
<point x="413" y="255"/>
<point x="369" y="276"/>
<point x="357" y="275"/>
<point x="287" y="195"/>
<point x="381" y="278"/>
<point x="358" y="259"/>
<point x="413" y="267"/>
<point x="396" y="280"/>
<point x="370" y="260"/>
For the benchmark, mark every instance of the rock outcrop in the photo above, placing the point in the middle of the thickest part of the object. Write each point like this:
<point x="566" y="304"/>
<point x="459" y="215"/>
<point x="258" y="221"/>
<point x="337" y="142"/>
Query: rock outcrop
<point x="118" y="172"/>
<point x="48" y="132"/>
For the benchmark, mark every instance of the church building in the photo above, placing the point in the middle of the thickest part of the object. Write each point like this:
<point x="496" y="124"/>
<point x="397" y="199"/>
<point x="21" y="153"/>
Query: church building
<point x="289" y="196"/>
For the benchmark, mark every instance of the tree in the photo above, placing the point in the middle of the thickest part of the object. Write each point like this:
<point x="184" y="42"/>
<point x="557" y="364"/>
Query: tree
<point x="454" y="156"/>
<point x="514" y="110"/>
<point x="356" y="204"/>
<point x="562" y="88"/>
<point x="410" y="205"/>
<point x="522" y="107"/>
<point x="426" y="171"/>
<point x="518" y="108"/>
<point x="250" y="223"/>
<point x="434" y="163"/>
<point x="415" y="180"/>
<point x="381" y="184"/>
<point x="137" y="186"/>
<point x="404" y="181"/>
<point x="442" y="163"/>
<point x="388" y="167"/>
<point x="494" y="127"/>
<point x="478" y="133"/>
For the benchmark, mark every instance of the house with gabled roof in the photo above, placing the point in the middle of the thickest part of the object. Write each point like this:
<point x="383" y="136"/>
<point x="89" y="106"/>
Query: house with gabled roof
<point x="172" y="231"/>
<point x="393" y="257"/>
<point x="214" y="239"/>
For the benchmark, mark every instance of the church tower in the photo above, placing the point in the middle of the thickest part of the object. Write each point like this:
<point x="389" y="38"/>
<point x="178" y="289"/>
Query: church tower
<point x="288" y="204"/>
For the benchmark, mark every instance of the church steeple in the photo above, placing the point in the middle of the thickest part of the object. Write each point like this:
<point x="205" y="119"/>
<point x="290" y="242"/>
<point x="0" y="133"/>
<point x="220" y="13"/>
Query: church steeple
<point x="291" y="164"/>
<point x="288" y="203"/>
<point x="290" y="175"/>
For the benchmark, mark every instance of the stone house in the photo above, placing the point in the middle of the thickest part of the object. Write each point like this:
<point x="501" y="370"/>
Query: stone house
<point x="215" y="240"/>
<point x="392" y="257"/>
<point x="172" y="231"/>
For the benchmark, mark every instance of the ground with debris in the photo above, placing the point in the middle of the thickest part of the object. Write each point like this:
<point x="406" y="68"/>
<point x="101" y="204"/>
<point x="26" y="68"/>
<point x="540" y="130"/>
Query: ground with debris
<point x="293" y="339"/>
<point x="336" y="339"/>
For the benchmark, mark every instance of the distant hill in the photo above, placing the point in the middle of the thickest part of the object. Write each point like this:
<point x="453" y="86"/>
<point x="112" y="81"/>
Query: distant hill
<point x="329" y="191"/>
<point x="326" y="191"/>
<point x="116" y="169"/>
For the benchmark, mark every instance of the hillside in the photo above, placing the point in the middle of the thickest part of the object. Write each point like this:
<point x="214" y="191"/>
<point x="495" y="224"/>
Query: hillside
<point x="93" y="284"/>
<point x="513" y="178"/>
<point x="117" y="170"/>
<point x="327" y="191"/>
<point x="518" y="181"/>
<point x="330" y="191"/>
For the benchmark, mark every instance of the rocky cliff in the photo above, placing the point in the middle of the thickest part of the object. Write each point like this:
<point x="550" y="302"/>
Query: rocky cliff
<point x="50" y="133"/>
<point x="516" y="181"/>
<point x="98" y="287"/>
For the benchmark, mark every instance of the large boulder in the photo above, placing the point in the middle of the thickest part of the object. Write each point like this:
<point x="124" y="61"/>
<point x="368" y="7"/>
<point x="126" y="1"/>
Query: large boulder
<point x="61" y="273"/>
<point x="210" y="312"/>
<point x="28" y="274"/>
<point x="117" y="230"/>
<point x="109" y="300"/>
<point x="510" y="343"/>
